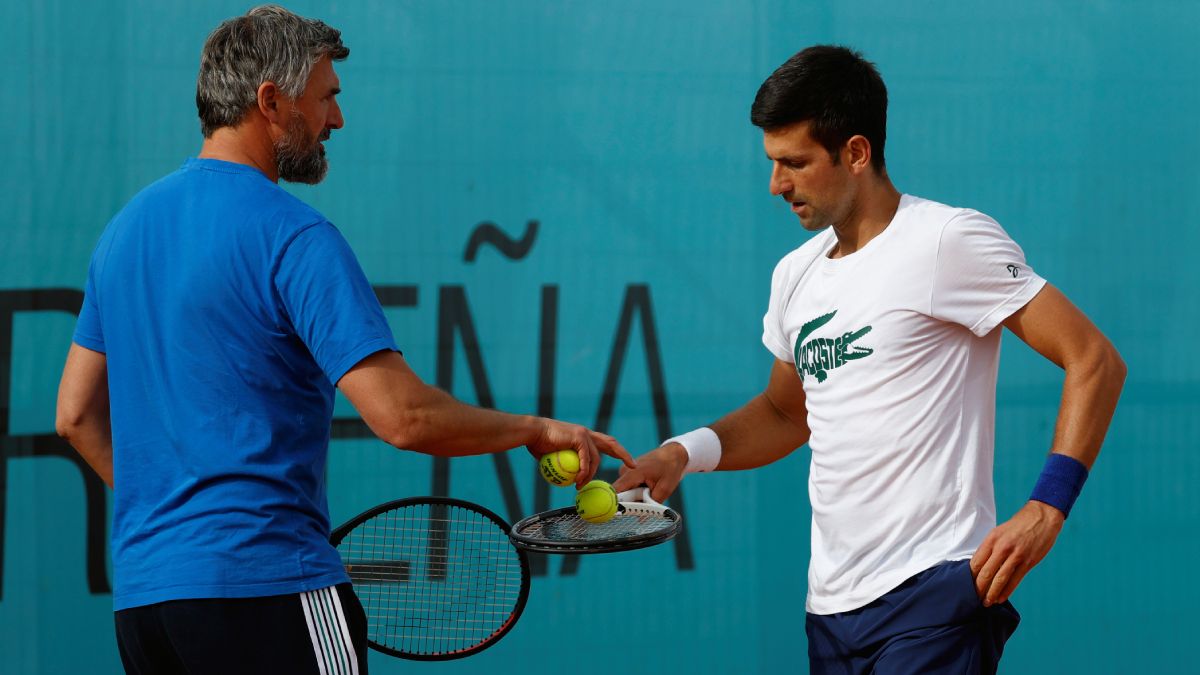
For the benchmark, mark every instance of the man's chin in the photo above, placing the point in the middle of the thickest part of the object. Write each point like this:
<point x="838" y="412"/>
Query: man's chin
<point x="811" y="225"/>
<point x="304" y="180"/>
<point x="307" y="175"/>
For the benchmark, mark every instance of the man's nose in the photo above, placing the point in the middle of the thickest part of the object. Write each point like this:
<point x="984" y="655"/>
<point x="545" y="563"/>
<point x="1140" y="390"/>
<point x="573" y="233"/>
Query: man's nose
<point x="335" y="116"/>
<point x="779" y="182"/>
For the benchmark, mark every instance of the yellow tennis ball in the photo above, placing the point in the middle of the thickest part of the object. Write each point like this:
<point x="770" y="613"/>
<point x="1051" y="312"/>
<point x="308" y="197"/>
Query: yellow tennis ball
<point x="559" y="468"/>
<point x="596" y="502"/>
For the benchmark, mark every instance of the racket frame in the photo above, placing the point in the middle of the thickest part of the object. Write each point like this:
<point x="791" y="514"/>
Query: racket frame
<point x="340" y="533"/>
<point x="634" y="500"/>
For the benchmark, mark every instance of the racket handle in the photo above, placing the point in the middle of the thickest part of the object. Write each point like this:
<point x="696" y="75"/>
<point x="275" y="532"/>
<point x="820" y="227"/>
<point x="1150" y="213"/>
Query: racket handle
<point x="637" y="494"/>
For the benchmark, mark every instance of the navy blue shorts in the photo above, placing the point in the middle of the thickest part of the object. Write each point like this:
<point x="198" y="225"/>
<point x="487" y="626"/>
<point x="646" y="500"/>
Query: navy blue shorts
<point x="932" y="623"/>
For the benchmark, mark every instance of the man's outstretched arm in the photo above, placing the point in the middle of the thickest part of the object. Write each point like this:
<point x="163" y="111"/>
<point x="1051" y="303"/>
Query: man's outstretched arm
<point x="768" y="428"/>
<point x="1095" y="373"/>
<point x="407" y="413"/>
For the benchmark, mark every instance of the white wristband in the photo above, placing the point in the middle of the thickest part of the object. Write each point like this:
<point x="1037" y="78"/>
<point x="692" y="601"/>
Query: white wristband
<point x="703" y="449"/>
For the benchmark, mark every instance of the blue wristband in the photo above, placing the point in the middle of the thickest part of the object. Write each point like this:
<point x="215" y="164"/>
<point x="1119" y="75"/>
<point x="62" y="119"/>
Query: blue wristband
<point x="1061" y="480"/>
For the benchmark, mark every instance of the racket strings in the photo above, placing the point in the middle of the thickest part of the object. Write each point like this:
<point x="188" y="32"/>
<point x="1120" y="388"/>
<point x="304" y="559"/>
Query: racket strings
<point x="433" y="578"/>
<point x="569" y="527"/>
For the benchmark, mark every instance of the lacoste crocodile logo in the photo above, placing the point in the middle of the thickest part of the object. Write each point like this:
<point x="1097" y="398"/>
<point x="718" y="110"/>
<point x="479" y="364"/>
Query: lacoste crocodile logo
<point x="820" y="355"/>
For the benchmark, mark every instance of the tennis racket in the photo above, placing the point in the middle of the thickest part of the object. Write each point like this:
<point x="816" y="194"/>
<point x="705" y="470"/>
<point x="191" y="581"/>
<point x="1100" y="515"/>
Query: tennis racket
<point x="640" y="522"/>
<point x="438" y="577"/>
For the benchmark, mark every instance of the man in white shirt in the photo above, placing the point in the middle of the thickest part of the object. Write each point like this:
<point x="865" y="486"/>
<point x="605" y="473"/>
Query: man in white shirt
<point x="885" y="331"/>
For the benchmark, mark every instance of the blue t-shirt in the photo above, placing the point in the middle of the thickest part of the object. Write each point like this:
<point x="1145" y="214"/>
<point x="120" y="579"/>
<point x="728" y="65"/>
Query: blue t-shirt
<point x="228" y="310"/>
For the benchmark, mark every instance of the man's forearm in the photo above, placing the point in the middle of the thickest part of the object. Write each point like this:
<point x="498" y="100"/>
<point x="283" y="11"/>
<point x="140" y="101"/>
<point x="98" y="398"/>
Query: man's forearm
<point x="757" y="434"/>
<point x="1091" y="389"/>
<point x="441" y="425"/>
<point x="405" y="412"/>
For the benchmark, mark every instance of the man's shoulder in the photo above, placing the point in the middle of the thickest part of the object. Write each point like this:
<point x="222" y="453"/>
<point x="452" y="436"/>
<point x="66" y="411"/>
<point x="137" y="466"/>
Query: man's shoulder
<point x="810" y="249"/>
<point x="793" y="265"/>
<point x="150" y="195"/>
<point x="936" y="215"/>
<point x="227" y="192"/>
<point x="287" y="211"/>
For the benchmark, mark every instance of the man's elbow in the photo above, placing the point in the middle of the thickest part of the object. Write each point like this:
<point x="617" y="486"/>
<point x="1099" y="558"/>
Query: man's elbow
<point x="1106" y="364"/>
<point x="404" y="430"/>
<point x="67" y="423"/>
<point x="1115" y="366"/>
<point x="1121" y="370"/>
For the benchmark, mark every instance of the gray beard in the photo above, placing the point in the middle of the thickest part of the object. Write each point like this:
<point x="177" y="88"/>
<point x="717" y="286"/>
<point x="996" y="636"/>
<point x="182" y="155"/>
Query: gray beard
<point x="299" y="159"/>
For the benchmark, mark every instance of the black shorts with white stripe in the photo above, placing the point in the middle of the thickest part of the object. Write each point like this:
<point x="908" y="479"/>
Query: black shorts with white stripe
<point x="322" y="632"/>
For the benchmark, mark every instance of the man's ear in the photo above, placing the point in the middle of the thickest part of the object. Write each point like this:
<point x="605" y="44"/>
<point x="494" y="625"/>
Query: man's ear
<point x="269" y="100"/>
<point x="858" y="153"/>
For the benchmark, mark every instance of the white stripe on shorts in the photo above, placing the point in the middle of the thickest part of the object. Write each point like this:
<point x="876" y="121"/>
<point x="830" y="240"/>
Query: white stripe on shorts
<point x="329" y="633"/>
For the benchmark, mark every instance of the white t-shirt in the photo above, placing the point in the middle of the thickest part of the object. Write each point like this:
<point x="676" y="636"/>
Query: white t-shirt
<point x="897" y="350"/>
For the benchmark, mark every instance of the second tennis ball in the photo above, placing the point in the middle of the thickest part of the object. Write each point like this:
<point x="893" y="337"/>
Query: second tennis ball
<point x="559" y="468"/>
<point x="596" y="502"/>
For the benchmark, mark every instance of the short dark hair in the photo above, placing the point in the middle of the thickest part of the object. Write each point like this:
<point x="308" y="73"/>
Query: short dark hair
<point x="835" y="89"/>
<point x="268" y="43"/>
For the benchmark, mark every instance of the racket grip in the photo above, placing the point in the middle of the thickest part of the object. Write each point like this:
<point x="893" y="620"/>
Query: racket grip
<point x="637" y="494"/>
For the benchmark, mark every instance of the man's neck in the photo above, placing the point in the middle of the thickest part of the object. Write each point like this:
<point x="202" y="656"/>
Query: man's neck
<point x="241" y="146"/>
<point x="873" y="212"/>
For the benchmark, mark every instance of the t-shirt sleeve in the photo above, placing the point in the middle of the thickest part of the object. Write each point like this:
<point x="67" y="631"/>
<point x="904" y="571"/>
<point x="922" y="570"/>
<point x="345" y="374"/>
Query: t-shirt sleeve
<point x="329" y="302"/>
<point x="773" y="337"/>
<point x="980" y="276"/>
<point x="88" y="331"/>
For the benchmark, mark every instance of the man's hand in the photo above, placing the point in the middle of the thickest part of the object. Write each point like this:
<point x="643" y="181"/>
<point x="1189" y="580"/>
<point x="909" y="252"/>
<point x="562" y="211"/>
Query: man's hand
<point x="556" y="435"/>
<point x="1012" y="549"/>
<point x="661" y="469"/>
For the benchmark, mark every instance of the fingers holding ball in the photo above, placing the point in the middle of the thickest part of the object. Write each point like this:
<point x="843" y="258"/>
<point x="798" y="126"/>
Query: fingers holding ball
<point x="559" y="468"/>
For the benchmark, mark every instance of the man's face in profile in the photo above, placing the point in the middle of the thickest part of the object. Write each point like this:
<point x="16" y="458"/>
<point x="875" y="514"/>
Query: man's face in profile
<point x="300" y="154"/>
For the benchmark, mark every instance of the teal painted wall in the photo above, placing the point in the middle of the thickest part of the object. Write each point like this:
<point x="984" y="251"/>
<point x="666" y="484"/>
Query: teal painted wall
<point x="622" y="128"/>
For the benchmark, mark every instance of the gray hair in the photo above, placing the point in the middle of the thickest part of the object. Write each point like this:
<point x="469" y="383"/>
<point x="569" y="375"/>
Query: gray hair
<point x="268" y="44"/>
